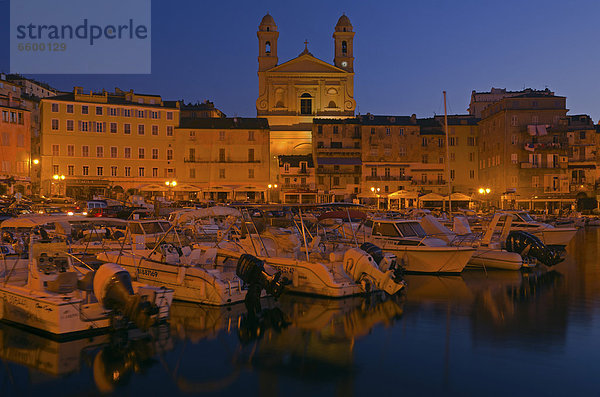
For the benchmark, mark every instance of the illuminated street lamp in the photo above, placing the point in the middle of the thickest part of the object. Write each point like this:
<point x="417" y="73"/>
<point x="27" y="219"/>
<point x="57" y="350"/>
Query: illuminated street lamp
<point x="376" y="191"/>
<point x="270" y="186"/>
<point x="36" y="161"/>
<point x="484" y="191"/>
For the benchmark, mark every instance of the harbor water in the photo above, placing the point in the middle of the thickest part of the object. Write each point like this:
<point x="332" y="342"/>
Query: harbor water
<point x="492" y="333"/>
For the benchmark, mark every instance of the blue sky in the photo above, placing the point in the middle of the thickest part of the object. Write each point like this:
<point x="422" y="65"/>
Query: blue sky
<point x="406" y="52"/>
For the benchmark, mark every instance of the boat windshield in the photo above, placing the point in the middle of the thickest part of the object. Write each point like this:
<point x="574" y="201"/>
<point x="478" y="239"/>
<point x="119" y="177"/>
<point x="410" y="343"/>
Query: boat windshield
<point x="155" y="227"/>
<point x="526" y="217"/>
<point x="411" y="229"/>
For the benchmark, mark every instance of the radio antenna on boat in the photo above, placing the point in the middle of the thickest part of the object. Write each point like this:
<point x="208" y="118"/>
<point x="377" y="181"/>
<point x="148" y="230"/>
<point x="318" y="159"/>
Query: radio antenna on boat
<point x="447" y="156"/>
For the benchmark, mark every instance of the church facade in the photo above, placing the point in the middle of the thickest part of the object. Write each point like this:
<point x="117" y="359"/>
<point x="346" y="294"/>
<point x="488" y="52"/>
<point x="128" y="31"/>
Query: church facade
<point x="292" y="93"/>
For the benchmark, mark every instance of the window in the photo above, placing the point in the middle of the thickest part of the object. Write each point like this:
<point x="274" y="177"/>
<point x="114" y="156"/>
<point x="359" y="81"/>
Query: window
<point x="535" y="181"/>
<point x="169" y="130"/>
<point x="424" y="158"/>
<point x="372" y="130"/>
<point x="440" y="142"/>
<point x="55" y="108"/>
<point x="140" y="129"/>
<point x="70" y="170"/>
<point x="99" y="151"/>
<point x="581" y="134"/>
<point x="98" y="110"/>
<point x="141" y="171"/>
<point x="140" y="113"/>
<point x="85" y="170"/>
<point x="250" y="173"/>
<point x="71" y="150"/>
<point x="192" y="155"/>
<point x="126" y="112"/>
<point x="250" y="155"/>
<point x="514" y="121"/>
<point x="388" y="131"/>
<point x="55" y="169"/>
<point x="320" y="130"/>
<point x="452" y="156"/>
<point x="99" y="171"/>
<point x="387" y="172"/>
<point x="471" y="174"/>
<point x="127" y="152"/>
<point x="424" y="142"/>
<point x="374" y="171"/>
<point x="113" y="128"/>
<point x="402" y="151"/>
<point x="514" y="158"/>
<point x="112" y="112"/>
<point x="169" y="115"/>
<point x="286" y="168"/>
<point x="113" y="152"/>
<point x="335" y="129"/>
<point x="55" y="150"/>
<point x="453" y="141"/>
<point x="85" y="151"/>
<point x="471" y="156"/>
<point x="70" y="109"/>
<point x="452" y="174"/>
<point x="154" y="172"/>
<point x="100" y="127"/>
<point x="514" y="139"/>
<point x="305" y="104"/>
<point x="127" y="171"/>
<point x="113" y="171"/>
<point x="154" y="130"/>
<point x="84" y="109"/>
<point x="471" y="141"/>
<point x="127" y="129"/>
<point x="344" y="47"/>
<point x="5" y="139"/>
<point x="70" y="125"/>
<point x="221" y="135"/>
<point x="154" y="154"/>
<point x="401" y="132"/>
<point x="153" y="114"/>
<point x="336" y="180"/>
<point x="221" y="173"/>
<point x="192" y="173"/>
<point x="441" y="160"/>
<point x="54" y="124"/>
<point x="141" y="153"/>
<point x="169" y="154"/>
<point x="222" y="155"/>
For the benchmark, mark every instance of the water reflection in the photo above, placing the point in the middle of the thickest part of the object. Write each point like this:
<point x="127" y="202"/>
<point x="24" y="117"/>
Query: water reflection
<point x="302" y="345"/>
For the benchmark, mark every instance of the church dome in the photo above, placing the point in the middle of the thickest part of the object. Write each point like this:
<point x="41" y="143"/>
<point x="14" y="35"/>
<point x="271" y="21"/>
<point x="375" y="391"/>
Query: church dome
<point x="267" y="23"/>
<point x="343" y="24"/>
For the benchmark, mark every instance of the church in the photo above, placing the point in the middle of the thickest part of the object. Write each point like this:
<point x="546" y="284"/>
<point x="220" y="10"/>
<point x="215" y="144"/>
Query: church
<point x="292" y="93"/>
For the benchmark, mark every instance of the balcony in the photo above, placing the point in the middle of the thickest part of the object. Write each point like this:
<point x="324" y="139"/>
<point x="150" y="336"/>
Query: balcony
<point x="388" y="178"/>
<point x="429" y="183"/>
<point x="228" y="161"/>
<point x="298" y="186"/>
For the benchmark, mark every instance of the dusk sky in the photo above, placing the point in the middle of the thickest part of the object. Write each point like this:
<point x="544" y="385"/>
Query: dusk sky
<point x="406" y="52"/>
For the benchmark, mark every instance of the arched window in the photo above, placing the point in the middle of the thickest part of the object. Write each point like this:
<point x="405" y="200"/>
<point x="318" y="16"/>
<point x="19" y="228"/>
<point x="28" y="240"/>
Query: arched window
<point x="267" y="28"/>
<point x="305" y="104"/>
<point x="268" y="47"/>
<point x="331" y="104"/>
<point x="344" y="48"/>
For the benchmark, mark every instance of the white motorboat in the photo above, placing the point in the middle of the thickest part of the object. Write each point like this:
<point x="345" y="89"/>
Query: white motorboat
<point x="415" y="249"/>
<point x="63" y="299"/>
<point x="548" y="234"/>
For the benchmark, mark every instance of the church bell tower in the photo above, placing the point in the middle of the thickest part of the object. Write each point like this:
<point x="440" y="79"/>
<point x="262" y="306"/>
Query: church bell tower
<point x="267" y="43"/>
<point x="342" y="39"/>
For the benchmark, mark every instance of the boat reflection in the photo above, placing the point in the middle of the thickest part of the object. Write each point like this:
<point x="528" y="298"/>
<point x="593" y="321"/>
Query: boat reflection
<point x="113" y="358"/>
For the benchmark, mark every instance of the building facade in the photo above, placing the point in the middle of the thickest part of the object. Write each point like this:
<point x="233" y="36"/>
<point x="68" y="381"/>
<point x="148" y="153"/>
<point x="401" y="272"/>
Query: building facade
<point x="297" y="178"/>
<point x="523" y="150"/>
<point x="15" y="146"/>
<point x="227" y="159"/>
<point x="101" y="142"/>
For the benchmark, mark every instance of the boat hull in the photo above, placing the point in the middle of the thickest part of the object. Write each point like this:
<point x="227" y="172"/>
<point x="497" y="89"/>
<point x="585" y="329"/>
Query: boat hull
<point x="189" y="283"/>
<point x="484" y="258"/>
<point x="426" y="259"/>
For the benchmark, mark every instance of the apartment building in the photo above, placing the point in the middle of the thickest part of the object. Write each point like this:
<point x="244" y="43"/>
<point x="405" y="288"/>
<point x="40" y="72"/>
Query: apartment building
<point x="227" y="159"/>
<point x="297" y="179"/>
<point x="101" y="142"/>
<point x="15" y="145"/>
<point x="523" y="150"/>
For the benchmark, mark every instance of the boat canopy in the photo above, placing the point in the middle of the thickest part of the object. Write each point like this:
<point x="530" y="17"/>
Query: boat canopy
<point x="184" y="216"/>
<point x="341" y="214"/>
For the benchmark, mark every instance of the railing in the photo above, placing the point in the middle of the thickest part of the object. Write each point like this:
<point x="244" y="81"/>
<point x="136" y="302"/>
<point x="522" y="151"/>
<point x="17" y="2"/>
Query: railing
<point x="191" y="160"/>
<point x="388" y="178"/>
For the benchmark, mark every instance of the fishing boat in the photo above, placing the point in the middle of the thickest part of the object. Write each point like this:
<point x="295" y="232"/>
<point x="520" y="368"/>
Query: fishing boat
<point x="63" y="299"/>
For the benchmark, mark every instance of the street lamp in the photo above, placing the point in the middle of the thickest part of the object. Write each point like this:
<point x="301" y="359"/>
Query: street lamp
<point x="376" y="191"/>
<point x="58" y="178"/>
<point x="270" y="186"/>
<point x="484" y="191"/>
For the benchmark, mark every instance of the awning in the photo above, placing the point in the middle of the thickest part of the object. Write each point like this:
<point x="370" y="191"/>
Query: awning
<point x="432" y="197"/>
<point x="459" y="197"/>
<point x="153" y="187"/>
<point x="184" y="187"/>
<point x="405" y="194"/>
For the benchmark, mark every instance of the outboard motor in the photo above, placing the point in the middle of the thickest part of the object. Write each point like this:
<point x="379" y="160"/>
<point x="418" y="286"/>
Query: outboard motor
<point x="252" y="271"/>
<point x="526" y="244"/>
<point x="361" y="267"/>
<point x="384" y="261"/>
<point x="113" y="289"/>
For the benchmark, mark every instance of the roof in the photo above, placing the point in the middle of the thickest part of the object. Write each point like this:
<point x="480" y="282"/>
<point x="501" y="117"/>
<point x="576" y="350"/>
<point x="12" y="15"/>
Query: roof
<point x="244" y="123"/>
<point x="112" y="100"/>
<point x="371" y="119"/>
<point x="352" y="120"/>
<point x="294" y="160"/>
<point x="267" y="21"/>
<point x="343" y="22"/>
